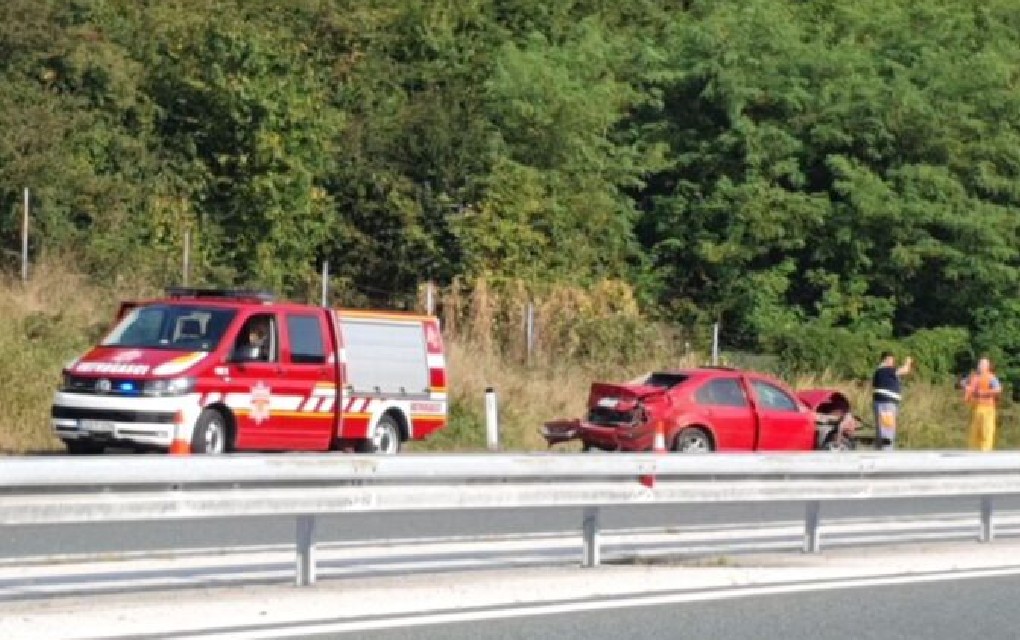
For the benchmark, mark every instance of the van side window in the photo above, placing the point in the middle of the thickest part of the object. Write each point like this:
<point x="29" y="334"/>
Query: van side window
<point x="306" y="345"/>
<point x="259" y="339"/>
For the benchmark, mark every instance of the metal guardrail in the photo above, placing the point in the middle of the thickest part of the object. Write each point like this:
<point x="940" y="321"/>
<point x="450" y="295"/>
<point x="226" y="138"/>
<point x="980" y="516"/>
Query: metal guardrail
<point x="105" y="489"/>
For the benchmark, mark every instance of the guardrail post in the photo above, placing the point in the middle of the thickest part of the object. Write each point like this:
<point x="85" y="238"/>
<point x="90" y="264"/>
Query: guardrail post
<point x="491" y="420"/>
<point x="305" y="574"/>
<point x="812" y="540"/>
<point x="987" y="526"/>
<point x="590" y="528"/>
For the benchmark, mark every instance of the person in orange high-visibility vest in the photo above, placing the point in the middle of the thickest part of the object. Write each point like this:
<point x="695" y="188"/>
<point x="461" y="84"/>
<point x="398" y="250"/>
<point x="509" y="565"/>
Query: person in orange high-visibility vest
<point x="981" y="391"/>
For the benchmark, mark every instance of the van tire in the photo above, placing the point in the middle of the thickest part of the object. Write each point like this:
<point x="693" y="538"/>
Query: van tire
<point x="384" y="439"/>
<point x="212" y="434"/>
<point x="84" y="447"/>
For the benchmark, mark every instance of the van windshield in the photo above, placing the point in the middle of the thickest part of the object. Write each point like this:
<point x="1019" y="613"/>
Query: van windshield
<point x="166" y="326"/>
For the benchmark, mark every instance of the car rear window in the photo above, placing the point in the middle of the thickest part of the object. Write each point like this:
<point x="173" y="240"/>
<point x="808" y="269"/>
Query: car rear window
<point x="665" y="380"/>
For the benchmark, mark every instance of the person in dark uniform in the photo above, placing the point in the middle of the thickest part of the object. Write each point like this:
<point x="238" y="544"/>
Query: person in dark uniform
<point x="886" y="396"/>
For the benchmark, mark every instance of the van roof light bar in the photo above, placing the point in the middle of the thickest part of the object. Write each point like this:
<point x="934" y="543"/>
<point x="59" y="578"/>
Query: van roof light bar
<point x="232" y="294"/>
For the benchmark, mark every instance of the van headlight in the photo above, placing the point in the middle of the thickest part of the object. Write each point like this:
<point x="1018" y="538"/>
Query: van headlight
<point x="168" y="386"/>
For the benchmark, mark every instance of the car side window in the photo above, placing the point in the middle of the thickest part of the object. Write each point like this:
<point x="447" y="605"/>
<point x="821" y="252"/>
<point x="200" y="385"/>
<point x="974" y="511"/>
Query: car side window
<point x="306" y="346"/>
<point x="722" y="392"/>
<point x="772" y="397"/>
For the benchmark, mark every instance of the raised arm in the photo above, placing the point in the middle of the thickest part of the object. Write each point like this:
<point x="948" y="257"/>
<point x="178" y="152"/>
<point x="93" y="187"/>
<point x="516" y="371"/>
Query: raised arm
<point x="905" y="368"/>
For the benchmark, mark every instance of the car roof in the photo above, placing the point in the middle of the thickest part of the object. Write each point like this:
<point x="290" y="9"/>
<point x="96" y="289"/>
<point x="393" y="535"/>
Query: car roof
<point x="710" y="371"/>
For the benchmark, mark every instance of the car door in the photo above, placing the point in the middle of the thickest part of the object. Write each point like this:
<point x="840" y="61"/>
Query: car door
<point x="725" y="404"/>
<point x="783" y="423"/>
<point x="252" y="387"/>
<point x="309" y="371"/>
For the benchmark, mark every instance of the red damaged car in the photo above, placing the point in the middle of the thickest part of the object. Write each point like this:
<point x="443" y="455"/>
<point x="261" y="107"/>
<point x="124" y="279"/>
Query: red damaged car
<point x="709" y="409"/>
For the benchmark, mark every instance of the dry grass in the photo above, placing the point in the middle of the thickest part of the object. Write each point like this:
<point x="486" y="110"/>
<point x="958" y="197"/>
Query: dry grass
<point x="41" y="321"/>
<point x="48" y="321"/>
<point x="59" y="314"/>
<point x="528" y="396"/>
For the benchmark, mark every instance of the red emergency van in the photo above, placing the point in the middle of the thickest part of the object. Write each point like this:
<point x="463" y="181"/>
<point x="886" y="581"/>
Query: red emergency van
<point x="213" y="371"/>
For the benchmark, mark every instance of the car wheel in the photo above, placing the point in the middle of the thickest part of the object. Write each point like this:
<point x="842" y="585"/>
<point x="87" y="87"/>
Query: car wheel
<point x="84" y="447"/>
<point x="385" y="438"/>
<point x="835" y="443"/>
<point x="692" y="440"/>
<point x="212" y="436"/>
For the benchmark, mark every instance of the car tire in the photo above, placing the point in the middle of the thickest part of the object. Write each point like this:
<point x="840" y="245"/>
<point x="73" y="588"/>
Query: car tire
<point x="834" y="443"/>
<point x="692" y="440"/>
<point x="212" y="434"/>
<point x="385" y="438"/>
<point x="84" y="447"/>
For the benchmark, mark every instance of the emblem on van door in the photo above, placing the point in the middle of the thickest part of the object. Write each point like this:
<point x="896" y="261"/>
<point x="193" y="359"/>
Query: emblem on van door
<point x="103" y="385"/>
<point x="260" y="401"/>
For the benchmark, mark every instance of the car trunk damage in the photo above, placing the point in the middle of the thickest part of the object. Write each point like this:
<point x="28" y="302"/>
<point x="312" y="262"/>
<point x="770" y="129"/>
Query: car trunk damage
<point x="617" y="405"/>
<point x="615" y="411"/>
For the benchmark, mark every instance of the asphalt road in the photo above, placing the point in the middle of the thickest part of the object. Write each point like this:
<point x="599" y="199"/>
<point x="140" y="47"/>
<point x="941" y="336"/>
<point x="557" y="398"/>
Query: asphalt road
<point x="950" y="610"/>
<point x="109" y="538"/>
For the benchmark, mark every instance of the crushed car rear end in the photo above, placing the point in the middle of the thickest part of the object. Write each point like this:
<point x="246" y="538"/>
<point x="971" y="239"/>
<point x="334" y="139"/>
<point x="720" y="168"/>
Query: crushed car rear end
<point x="619" y="417"/>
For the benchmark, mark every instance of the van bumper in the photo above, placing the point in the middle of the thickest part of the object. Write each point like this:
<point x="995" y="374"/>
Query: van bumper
<point x="115" y="420"/>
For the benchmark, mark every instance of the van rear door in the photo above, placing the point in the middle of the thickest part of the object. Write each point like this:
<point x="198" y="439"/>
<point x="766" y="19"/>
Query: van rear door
<point x="386" y="357"/>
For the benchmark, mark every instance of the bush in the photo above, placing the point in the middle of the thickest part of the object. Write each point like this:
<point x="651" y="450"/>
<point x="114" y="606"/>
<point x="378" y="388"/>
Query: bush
<point x="998" y="337"/>
<point x="938" y="353"/>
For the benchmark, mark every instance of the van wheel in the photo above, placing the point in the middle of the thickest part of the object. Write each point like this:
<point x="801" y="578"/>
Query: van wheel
<point x="692" y="440"/>
<point x="385" y="438"/>
<point x="212" y="436"/>
<point x="84" y="447"/>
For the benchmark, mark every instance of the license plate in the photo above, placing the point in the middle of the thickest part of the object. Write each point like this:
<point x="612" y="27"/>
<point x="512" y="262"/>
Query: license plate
<point x="96" y="426"/>
<point x="609" y="403"/>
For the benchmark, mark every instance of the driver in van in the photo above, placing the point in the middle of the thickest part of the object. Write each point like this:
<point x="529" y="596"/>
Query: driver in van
<point x="258" y="337"/>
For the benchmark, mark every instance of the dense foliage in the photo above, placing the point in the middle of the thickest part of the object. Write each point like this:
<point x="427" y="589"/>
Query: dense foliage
<point x="790" y="168"/>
